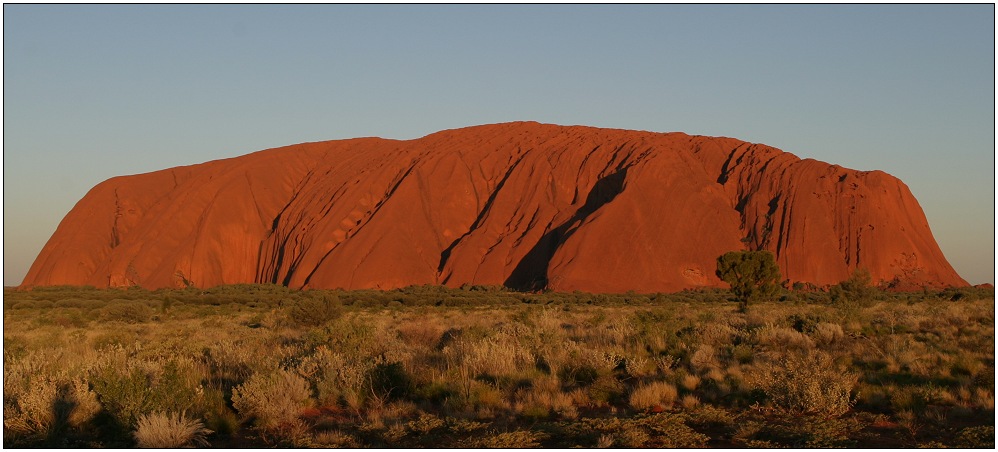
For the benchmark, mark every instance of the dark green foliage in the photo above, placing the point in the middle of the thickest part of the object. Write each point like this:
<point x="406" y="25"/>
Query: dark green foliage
<point x="967" y="293"/>
<point x="752" y="275"/>
<point x="266" y="296"/>
<point x="578" y="376"/>
<point x="72" y="303"/>
<point x="315" y="311"/>
<point x="165" y="304"/>
<point x="390" y="381"/>
<point x="606" y="390"/>
<point x="435" y="392"/>
<point x="129" y="311"/>
<point x="857" y="289"/>
<point x="14" y="347"/>
<point x="175" y="390"/>
<point x="804" y="323"/>
<point x="125" y="397"/>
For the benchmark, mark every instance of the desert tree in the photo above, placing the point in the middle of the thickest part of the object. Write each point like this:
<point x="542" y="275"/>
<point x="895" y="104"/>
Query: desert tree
<point x="857" y="288"/>
<point x="752" y="275"/>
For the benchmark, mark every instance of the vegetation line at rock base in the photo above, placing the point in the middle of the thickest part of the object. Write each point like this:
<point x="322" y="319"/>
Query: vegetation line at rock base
<point x="264" y="365"/>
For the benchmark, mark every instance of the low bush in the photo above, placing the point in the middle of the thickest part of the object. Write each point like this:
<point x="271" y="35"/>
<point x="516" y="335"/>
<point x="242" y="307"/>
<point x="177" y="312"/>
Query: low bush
<point x="390" y="381"/>
<point x="315" y="311"/>
<point x="27" y="409"/>
<point x="169" y="431"/>
<point x="126" y="311"/>
<point x="128" y="388"/>
<point x="272" y="400"/>
<point x="124" y="396"/>
<point x="806" y="382"/>
<point x="855" y="291"/>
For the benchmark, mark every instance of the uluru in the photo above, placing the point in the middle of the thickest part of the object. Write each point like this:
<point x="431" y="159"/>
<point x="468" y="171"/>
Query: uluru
<point x="526" y="205"/>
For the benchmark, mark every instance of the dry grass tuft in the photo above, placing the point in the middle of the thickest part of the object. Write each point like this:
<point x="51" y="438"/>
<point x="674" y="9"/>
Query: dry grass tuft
<point x="169" y="431"/>
<point x="689" y="382"/>
<point x="689" y="401"/>
<point x="653" y="394"/>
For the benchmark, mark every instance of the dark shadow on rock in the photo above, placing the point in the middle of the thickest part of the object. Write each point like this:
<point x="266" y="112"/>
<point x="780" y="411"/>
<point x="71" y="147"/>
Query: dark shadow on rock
<point x="531" y="272"/>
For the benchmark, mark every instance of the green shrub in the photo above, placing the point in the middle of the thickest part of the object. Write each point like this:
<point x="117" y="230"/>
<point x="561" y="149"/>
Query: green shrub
<point x="336" y="439"/>
<point x="580" y="375"/>
<point x="71" y="303"/>
<point x="125" y="397"/>
<point x="804" y="323"/>
<point x="913" y="398"/>
<point x="24" y="305"/>
<point x="752" y="275"/>
<point x="126" y="311"/>
<point x="176" y="387"/>
<point x="856" y="290"/>
<point x="14" y="348"/>
<point x="218" y="416"/>
<point x="606" y="390"/>
<point x="742" y="353"/>
<point x="390" y="381"/>
<point x="128" y="391"/>
<point x="315" y="311"/>
<point x="425" y="424"/>
<point x="966" y="294"/>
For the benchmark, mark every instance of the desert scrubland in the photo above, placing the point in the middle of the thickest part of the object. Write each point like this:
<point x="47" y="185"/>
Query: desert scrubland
<point x="264" y="365"/>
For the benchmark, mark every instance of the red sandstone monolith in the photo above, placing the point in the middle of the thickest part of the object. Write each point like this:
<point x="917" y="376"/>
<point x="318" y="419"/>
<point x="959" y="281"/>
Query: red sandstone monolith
<point x="522" y="204"/>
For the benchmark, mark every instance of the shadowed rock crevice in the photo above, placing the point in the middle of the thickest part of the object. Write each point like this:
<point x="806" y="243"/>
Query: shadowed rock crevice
<point x="360" y="225"/>
<point x="269" y="270"/>
<point x="445" y="255"/>
<point x="531" y="273"/>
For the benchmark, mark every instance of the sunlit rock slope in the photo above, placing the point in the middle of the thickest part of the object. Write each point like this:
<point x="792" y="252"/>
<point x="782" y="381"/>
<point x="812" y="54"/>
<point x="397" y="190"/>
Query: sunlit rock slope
<point x="527" y="205"/>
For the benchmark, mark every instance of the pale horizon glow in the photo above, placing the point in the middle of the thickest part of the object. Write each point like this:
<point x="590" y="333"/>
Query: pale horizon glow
<point x="96" y="91"/>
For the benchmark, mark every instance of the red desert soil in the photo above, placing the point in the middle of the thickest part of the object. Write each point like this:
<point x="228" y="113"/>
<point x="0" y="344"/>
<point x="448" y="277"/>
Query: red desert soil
<point x="523" y="204"/>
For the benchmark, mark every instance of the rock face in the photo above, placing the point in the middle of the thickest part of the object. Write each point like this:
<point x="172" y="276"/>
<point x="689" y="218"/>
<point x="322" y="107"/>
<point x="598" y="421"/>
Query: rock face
<point x="522" y="204"/>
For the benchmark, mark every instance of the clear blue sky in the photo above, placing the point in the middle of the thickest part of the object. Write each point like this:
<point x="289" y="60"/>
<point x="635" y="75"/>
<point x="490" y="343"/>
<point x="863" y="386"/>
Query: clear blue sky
<point x="92" y="92"/>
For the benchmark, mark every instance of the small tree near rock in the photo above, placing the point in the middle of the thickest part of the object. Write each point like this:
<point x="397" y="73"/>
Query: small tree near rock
<point x="857" y="289"/>
<point x="752" y="275"/>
